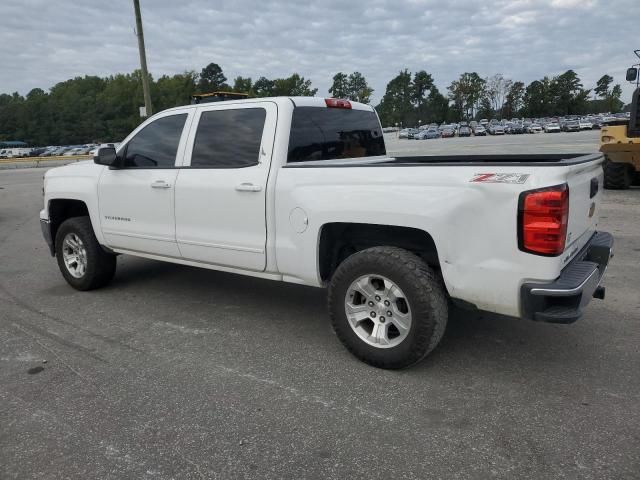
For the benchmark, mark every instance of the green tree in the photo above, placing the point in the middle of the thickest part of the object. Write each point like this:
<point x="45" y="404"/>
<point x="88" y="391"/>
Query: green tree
<point x="264" y="87"/>
<point x="340" y="86"/>
<point x="409" y="101"/>
<point x="437" y="107"/>
<point x="118" y="105"/>
<point x="422" y="85"/>
<point x="353" y="87"/>
<point x="569" y="98"/>
<point x="514" y="101"/>
<point x="535" y="99"/>
<point x="12" y="117"/>
<point x="485" y="110"/>
<point x="295" y="86"/>
<point x="212" y="79"/>
<point x="75" y="115"/>
<point x="396" y="105"/>
<point x="427" y="100"/>
<point x="615" y="104"/>
<point x="466" y="93"/>
<point x="172" y="91"/>
<point x="35" y="117"/>
<point x="496" y="89"/>
<point x="602" y="86"/>
<point x="243" y="85"/>
<point x="357" y="88"/>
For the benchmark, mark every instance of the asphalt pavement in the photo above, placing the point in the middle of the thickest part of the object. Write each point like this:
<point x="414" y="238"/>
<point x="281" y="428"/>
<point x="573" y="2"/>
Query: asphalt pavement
<point x="177" y="372"/>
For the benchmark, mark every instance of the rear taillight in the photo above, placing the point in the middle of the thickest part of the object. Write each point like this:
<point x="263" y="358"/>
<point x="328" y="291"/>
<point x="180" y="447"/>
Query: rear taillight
<point x="337" y="103"/>
<point x="542" y="220"/>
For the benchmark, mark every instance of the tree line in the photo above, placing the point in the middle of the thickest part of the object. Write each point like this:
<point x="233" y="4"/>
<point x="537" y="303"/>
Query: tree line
<point x="95" y="109"/>
<point x="413" y="99"/>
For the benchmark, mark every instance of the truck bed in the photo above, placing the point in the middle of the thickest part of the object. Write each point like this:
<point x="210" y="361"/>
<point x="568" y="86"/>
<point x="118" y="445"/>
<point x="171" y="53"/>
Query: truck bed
<point x="542" y="160"/>
<point x="536" y="160"/>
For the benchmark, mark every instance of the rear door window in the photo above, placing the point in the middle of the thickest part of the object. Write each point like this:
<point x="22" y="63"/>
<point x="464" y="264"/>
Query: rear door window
<point x="319" y="133"/>
<point x="228" y="138"/>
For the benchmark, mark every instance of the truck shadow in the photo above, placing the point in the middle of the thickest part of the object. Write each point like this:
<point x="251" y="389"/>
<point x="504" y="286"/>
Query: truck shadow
<point x="471" y="338"/>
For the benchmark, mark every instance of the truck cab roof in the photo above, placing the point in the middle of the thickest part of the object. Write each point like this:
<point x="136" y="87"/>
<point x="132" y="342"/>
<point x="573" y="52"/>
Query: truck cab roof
<point x="296" y="101"/>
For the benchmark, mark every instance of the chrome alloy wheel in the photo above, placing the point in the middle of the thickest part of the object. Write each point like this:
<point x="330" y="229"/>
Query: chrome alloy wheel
<point x="378" y="311"/>
<point x="74" y="255"/>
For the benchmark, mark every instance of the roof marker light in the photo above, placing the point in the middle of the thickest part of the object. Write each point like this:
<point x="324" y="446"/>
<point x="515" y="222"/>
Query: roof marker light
<point x="337" y="103"/>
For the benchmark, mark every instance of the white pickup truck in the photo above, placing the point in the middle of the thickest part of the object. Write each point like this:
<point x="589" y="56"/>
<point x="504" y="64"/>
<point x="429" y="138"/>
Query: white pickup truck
<point x="301" y="190"/>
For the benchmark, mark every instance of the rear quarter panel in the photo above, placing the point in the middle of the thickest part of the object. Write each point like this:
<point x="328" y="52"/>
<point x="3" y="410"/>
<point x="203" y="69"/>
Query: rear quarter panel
<point x="474" y="225"/>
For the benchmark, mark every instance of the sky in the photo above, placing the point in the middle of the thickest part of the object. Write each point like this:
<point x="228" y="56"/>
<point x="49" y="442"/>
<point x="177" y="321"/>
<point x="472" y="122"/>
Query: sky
<point x="43" y="42"/>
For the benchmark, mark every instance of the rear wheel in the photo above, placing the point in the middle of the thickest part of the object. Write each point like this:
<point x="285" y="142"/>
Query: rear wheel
<point x="83" y="262"/>
<point x="387" y="307"/>
<point x="617" y="176"/>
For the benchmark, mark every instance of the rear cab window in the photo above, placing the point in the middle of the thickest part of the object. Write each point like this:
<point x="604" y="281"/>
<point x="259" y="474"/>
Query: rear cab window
<point x="323" y="133"/>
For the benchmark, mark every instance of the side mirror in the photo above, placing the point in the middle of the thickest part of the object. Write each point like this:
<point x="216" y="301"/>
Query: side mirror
<point x="106" y="156"/>
<point x="632" y="74"/>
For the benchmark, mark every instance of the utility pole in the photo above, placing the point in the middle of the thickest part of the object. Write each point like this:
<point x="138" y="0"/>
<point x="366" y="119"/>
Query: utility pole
<point x="143" y="60"/>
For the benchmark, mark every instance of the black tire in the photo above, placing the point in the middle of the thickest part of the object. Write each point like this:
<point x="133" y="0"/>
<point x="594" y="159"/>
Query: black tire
<point x="617" y="176"/>
<point x="425" y="294"/>
<point x="100" y="265"/>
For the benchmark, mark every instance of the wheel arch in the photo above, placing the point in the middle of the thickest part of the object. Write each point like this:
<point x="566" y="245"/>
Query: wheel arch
<point x="338" y="240"/>
<point x="61" y="209"/>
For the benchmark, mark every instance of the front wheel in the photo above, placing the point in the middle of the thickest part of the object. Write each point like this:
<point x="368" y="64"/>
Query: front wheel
<point x="84" y="264"/>
<point x="387" y="307"/>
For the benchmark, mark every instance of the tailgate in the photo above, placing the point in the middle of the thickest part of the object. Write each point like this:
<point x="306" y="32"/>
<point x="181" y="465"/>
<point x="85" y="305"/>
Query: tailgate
<point x="585" y="192"/>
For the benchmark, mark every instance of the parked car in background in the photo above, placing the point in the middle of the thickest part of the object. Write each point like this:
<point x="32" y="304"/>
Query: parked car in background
<point x="428" y="134"/>
<point x="585" y="124"/>
<point x="413" y="132"/>
<point x="597" y="123"/>
<point x="421" y="135"/>
<point x="94" y="151"/>
<point x="480" y="131"/>
<point x="571" y="126"/>
<point x="60" y="151"/>
<point x="448" y="132"/>
<point x="464" y="131"/>
<point x="404" y="133"/>
<point x="433" y="132"/>
<point x="551" y="128"/>
<point x="72" y="152"/>
<point x="534" y="128"/>
<point x="36" y="152"/>
<point x="15" y="152"/>
<point x="47" y="151"/>
<point x="496" y="129"/>
<point x="517" y="128"/>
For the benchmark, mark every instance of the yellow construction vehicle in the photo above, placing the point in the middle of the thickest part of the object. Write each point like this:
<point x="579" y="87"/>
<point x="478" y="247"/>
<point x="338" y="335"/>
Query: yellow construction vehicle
<point x="621" y="143"/>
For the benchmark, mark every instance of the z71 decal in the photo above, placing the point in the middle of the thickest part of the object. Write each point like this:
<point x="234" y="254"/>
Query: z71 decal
<point x="500" y="178"/>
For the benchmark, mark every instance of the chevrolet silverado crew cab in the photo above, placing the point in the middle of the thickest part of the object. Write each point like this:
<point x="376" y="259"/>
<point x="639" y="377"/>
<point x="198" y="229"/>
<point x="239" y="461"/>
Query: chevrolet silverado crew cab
<point x="302" y="190"/>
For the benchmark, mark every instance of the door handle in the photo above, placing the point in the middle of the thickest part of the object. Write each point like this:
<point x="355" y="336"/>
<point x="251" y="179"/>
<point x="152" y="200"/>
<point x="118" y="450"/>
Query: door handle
<point x="248" y="187"/>
<point x="160" y="184"/>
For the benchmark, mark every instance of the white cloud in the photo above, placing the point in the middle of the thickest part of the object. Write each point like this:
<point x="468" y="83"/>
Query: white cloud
<point x="522" y="39"/>
<point x="573" y="3"/>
